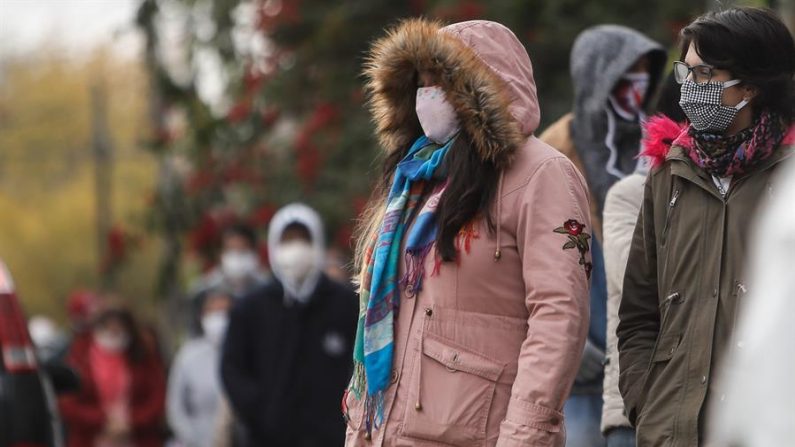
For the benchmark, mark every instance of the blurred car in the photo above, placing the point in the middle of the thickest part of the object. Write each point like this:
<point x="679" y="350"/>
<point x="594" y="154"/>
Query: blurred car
<point x="28" y="405"/>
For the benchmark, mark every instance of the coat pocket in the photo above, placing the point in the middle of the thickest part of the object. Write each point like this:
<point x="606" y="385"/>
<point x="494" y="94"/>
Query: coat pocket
<point x="352" y="410"/>
<point x="450" y="394"/>
<point x="663" y="353"/>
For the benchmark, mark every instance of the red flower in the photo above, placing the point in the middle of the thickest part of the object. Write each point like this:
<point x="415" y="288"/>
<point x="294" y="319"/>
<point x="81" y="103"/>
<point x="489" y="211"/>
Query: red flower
<point x="239" y="112"/>
<point x="573" y="227"/>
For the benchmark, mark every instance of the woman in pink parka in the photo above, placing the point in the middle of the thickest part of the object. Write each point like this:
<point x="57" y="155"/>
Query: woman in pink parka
<point x="474" y="251"/>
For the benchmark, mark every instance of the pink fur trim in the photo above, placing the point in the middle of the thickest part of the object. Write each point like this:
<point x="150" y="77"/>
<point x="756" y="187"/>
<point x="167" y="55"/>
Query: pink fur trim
<point x="660" y="132"/>
<point x="789" y="137"/>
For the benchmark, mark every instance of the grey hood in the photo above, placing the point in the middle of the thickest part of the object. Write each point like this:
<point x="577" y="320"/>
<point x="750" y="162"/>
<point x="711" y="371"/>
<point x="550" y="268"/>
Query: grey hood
<point x="600" y="57"/>
<point x="302" y="214"/>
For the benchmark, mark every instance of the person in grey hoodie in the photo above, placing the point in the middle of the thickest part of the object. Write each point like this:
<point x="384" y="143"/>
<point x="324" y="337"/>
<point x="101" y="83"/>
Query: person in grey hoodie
<point x="194" y="386"/>
<point x="615" y="70"/>
<point x="622" y="207"/>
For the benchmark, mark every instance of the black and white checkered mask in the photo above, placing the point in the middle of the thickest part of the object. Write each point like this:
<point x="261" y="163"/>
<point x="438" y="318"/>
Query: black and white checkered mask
<point x="702" y="103"/>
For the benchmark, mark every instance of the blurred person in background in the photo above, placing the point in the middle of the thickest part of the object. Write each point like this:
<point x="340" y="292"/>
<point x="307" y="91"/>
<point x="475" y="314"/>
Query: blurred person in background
<point x="239" y="266"/>
<point x="286" y="356"/>
<point x="475" y="232"/>
<point x="759" y="405"/>
<point x="194" y="387"/>
<point x="47" y="337"/>
<point x="622" y="206"/>
<point x="82" y="307"/>
<point x="615" y="71"/>
<point x="238" y="270"/>
<point x="685" y="272"/>
<point x="121" y="399"/>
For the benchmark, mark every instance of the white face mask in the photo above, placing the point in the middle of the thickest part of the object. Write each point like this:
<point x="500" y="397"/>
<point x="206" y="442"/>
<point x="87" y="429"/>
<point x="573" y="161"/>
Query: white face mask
<point x="295" y="260"/>
<point x="214" y="326"/>
<point x="437" y="116"/>
<point x="239" y="264"/>
<point x="110" y="341"/>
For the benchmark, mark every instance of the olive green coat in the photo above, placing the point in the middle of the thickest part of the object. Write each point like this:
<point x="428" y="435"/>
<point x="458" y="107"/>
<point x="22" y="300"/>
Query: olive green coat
<point x="683" y="283"/>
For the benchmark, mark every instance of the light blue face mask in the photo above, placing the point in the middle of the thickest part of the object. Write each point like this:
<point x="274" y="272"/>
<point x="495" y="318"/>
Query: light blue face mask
<point x="703" y="105"/>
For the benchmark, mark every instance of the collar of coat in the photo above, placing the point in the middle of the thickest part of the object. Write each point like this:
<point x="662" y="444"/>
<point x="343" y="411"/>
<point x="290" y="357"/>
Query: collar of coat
<point x="667" y="140"/>
<point x="679" y="152"/>
<point x="477" y="93"/>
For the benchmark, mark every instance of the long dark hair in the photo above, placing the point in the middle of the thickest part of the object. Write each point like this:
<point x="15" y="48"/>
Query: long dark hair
<point x="136" y="349"/>
<point x="470" y="192"/>
<point x="755" y="46"/>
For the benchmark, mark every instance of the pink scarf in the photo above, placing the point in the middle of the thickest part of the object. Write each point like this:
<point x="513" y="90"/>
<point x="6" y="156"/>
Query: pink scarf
<point x="111" y="375"/>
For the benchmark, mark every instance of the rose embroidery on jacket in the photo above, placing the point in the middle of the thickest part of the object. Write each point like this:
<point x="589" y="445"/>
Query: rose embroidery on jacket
<point x="578" y="239"/>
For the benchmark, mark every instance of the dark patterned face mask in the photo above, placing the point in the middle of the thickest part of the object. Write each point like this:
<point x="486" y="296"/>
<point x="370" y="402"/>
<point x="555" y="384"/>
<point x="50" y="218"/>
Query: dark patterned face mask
<point x="703" y="105"/>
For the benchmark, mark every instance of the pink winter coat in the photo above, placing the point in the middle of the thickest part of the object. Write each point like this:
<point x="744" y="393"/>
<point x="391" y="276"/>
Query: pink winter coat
<point x="486" y="353"/>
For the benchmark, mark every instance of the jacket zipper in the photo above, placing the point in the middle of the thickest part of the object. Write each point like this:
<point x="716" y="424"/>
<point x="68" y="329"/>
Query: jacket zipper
<point x="671" y="206"/>
<point x="740" y="290"/>
<point x="666" y="310"/>
<point x="674" y="297"/>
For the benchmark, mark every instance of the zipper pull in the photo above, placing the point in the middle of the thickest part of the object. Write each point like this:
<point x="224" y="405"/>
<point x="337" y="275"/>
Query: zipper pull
<point x="674" y="199"/>
<point x="674" y="297"/>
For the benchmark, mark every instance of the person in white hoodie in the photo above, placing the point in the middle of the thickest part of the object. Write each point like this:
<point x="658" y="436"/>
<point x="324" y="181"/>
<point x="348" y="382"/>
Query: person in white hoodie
<point x="287" y="354"/>
<point x="194" y="394"/>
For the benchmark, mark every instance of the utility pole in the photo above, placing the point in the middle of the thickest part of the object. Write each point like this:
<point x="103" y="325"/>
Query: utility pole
<point x="102" y="152"/>
<point x="168" y="190"/>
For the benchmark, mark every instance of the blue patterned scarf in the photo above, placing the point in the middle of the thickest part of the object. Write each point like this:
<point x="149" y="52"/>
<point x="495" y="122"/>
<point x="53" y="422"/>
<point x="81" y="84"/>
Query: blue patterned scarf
<point x="380" y="294"/>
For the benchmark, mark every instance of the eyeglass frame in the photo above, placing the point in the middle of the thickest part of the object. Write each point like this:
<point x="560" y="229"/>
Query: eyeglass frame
<point x="691" y="70"/>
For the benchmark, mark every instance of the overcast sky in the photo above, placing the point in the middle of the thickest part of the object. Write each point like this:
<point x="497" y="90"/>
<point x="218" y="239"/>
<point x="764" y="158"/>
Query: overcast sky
<point x="76" y="25"/>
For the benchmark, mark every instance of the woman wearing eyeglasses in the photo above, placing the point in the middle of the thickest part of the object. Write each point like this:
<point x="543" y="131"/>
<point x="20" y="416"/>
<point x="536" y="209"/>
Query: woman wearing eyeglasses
<point x="684" y="283"/>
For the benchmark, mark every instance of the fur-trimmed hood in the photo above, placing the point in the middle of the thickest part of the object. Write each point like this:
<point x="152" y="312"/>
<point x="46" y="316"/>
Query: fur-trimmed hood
<point x="482" y="67"/>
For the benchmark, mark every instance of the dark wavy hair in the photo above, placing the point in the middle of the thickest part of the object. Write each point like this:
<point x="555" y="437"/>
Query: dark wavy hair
<point x="755" y="46"/>
<point x="470" y="192"/>
<point x="137" y="349"/>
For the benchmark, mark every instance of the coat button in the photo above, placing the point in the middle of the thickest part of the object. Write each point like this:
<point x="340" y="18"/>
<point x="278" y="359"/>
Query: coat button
<point x="428" y="311"/>
<point x="714" y="293"/>
<point x="394" y="377"/>
<point x="410" y="291"/>
<point x="703" y="379"/>
<point x="418" y="406"/>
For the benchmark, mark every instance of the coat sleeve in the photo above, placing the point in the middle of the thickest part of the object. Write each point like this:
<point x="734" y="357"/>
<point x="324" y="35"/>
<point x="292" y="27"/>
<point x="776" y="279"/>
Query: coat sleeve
<point x="241" y="388"/>
<point x="638" y="314"/>
<point x="80" y="409"/>
<point x="622" y="206"/>
<point x="147" y="410"/>
<point x="556" y="296"/>
<point x="176" y="411"/>
<point x="79" y="412"/>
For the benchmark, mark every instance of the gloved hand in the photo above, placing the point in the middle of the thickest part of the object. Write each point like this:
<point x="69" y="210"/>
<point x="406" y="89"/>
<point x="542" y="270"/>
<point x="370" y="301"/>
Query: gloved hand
<point x="592" y="364"/>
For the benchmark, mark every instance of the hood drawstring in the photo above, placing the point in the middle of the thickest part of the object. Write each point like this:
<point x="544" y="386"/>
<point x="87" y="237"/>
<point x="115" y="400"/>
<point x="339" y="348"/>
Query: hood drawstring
<point x="611" y="166"/>
<point x="497" y="251"/>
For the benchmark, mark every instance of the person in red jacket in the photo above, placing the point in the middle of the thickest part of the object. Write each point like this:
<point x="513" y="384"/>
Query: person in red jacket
<point x="121" y="399"/>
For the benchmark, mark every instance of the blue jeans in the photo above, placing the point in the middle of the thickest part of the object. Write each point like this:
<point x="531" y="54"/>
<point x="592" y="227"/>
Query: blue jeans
<point x="621" y="437"/>
<point x="583" y="413"/>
